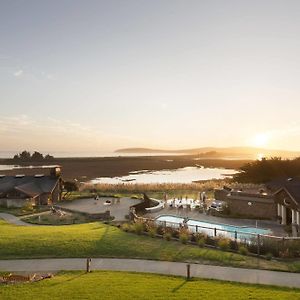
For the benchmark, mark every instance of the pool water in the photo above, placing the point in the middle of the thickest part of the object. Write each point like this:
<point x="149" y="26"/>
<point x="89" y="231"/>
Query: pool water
<point x="242" y="232"/>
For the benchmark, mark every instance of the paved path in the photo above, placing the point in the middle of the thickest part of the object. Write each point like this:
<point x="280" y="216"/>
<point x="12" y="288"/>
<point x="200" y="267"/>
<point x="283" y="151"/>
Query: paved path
<point x="159" y="267"/>
<point x="119" y="207"/>
<point x="14" y="220"/>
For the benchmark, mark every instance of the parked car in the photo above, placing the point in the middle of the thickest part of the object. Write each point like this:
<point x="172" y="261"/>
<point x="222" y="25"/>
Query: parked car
<point x="218" y="205"/>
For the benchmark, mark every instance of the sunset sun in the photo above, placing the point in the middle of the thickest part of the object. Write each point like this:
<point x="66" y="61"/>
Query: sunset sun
<point x="260" y="140"/>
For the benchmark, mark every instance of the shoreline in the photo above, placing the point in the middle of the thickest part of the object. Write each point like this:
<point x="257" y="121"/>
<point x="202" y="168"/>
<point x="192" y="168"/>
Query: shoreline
<point x="87" y="168"/>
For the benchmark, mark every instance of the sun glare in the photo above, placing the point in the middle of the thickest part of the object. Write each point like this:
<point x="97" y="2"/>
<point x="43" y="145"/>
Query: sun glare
<point x="260" y="140"/>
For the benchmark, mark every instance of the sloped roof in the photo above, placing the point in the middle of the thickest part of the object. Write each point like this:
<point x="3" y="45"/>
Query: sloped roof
<point x="291" y="185"/>
<point x="29" y="185"/>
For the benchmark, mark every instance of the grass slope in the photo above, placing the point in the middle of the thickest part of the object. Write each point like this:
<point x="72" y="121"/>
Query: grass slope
<point x="100" y="240"/>
<point x="123" y="285"/>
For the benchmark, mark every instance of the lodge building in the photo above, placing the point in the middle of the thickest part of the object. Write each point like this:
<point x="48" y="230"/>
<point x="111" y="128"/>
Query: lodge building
<point x="279" y="200"/>
<point x="37" y="189"/>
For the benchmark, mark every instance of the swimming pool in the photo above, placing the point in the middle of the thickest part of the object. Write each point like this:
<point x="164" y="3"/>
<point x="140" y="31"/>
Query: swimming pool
<point x="210" y="228"/>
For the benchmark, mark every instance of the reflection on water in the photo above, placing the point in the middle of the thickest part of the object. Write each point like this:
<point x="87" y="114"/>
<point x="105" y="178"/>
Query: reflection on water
<point x="13" y="167"/>
<point x="182" y="175"/>
<point x="7" y="167"/>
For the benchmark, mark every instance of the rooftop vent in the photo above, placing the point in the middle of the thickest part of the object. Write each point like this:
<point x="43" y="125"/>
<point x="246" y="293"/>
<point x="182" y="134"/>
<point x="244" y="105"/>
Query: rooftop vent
<point x="20" y="176"/>
<point x="39" y="175"/>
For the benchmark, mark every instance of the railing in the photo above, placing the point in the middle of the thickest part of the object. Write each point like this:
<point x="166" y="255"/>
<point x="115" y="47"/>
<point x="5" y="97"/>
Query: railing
<point x="257" y="243"/>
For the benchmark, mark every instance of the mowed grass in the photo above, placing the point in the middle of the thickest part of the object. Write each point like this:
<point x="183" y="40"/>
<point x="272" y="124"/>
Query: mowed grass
<point x="124" y="285"/>
<point x="100" y="240"/>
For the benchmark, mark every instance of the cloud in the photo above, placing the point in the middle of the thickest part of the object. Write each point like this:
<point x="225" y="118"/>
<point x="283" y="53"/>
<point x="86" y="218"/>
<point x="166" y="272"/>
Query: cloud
<point x="18" y="73"/>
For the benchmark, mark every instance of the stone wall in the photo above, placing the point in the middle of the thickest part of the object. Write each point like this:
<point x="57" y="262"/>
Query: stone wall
<point x="98" y="216"/>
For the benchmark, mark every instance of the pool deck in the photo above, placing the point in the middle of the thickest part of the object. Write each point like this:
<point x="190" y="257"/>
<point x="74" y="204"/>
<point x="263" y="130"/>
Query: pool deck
<point x="276" y="228"/>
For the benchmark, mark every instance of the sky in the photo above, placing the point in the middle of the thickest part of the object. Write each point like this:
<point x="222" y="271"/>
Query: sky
<point x="94" y="76"/>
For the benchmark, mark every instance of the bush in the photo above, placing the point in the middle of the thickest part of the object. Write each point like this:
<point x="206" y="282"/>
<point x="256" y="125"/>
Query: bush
<point x="210" y="241"/>
<point x="27" y="207"/>
<point x="269" y="256"/>
<point x="125" y="227"/>
<point x="200" y="239"/>
<point x="167" y="236"/>
<point x="160" y="230"/>
<point x="224" y="244"/>
<point x="183" y="237"/>
<point x="175" y="233"/>
<point x="138" y="228"/>
<point x="243" y="250"/>
<point x="152" y="231"/>
<point x="233" y="245"/>
<point x="201" y="242"/>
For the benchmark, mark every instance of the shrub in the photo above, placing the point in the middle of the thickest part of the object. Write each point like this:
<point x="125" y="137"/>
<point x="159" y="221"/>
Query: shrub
<point x="160" y="230"/>
<point x="125" y="227"/>
<point x="233" y="245"/>
<point x="152" y="231"/>
<point x="243" y="250"/>
<point x="138" y="228"/>
<point x="193" y="237"/>
<point x="285" y="253"/>
<point x="175" y="233"/>
<point x="183" y="237"/>
<point x="294" y="247"/>
<point x="210" y="241"/>
<point x="201" y="242"/>
<point x="27" y="207"/>
<point x="269" y="256"/>
<point x="224" y="244"/>
<point x="167" y="236"/>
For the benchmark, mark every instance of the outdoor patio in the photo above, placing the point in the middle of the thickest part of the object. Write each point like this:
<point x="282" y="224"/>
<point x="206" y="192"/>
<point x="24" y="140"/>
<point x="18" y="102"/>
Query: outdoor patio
<point x="118" y="207"/>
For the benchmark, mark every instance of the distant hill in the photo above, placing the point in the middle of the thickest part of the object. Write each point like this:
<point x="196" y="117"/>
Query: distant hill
<point x="230" y="152"/>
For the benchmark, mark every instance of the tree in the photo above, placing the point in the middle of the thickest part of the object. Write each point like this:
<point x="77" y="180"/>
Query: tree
<point x="268" y="169"/>
<point x="69" y="186"/>
<point x="49" y="157"/>
<point x="16" y="157"/>
<point x="37" y="156"/>
<point x="25" y="156"/>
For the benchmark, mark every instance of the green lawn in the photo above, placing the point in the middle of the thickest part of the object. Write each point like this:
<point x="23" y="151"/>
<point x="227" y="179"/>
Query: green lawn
<point x="100" y="240"/>
<point x="123" y="285"/>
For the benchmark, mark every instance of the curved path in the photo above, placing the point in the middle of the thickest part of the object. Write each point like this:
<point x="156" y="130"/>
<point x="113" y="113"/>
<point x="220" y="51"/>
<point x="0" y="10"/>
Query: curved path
<point x="160" y="267"/>
<point x="14" y="220"/>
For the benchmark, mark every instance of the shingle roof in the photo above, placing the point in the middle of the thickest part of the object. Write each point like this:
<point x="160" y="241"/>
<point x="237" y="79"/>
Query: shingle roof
<point x="292" y="186"/>
<point x="29" y="185"/>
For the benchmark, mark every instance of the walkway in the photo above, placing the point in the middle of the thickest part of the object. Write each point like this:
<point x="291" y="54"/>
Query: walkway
<point x="14" y="220"/>
<point x="160" y="267"/>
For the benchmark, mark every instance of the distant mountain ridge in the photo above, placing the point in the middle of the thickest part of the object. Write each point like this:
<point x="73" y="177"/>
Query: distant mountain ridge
<point x="217" y="152"/>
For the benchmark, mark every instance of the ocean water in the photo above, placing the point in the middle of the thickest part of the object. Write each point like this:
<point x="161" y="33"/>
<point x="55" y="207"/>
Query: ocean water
<point x="10" y="154"/>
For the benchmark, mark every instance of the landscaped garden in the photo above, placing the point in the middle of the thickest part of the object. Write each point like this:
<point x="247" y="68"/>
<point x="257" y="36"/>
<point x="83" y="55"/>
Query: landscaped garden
<point x="101" y="240"/>
<point x="50" y="218"/>
<point x="125" y="285"/>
